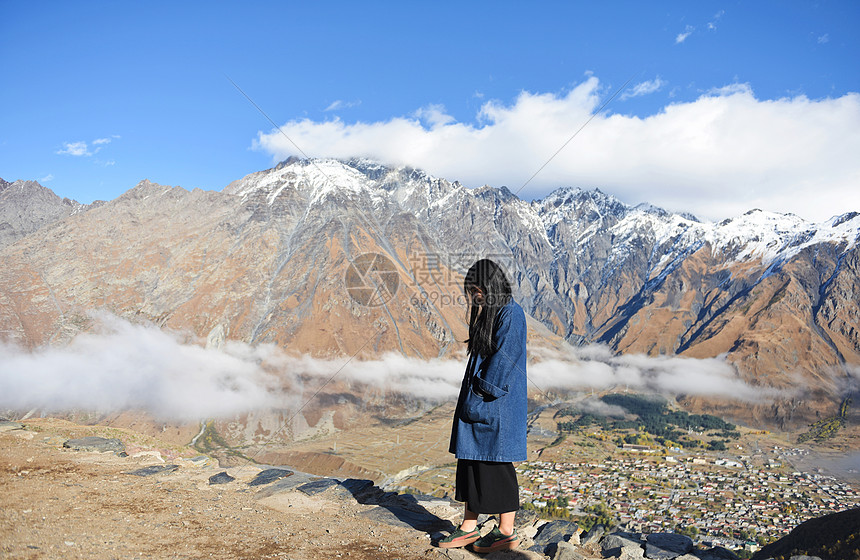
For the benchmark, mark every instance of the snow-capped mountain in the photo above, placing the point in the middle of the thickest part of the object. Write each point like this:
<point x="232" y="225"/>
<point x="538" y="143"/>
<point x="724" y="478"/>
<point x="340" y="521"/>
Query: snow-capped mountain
<point x="276" y="255"/>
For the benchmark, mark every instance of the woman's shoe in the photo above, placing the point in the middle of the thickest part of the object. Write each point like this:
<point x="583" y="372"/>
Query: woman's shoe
<point x="459" y="538"/>
<point x="496" y="540"/>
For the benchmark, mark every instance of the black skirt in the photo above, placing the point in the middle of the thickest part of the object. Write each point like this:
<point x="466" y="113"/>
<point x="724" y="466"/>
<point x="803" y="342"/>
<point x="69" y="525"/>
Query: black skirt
<point x="487" y="487"/>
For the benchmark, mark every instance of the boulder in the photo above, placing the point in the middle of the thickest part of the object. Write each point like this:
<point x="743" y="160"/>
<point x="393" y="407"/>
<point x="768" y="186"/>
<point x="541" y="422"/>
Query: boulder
<point x="612" y="544"/>
<point x="556" y="531"/>
<point x="835" y="535"/>
<point x="549" y="535"/>
<point x="667" y="546"/>
<point x="593" y="536"/>
<point x="359" y="487"/>
<point x="717" y="553"/>
<point x="526" y="517"/>
<point x="631" y="553"/>
<point x="568" y="551"/>
<point x="316" y="486"/>
<point x="269" y="475"/>
<point x="221" y="478"/>
<point x="393" y="515"/>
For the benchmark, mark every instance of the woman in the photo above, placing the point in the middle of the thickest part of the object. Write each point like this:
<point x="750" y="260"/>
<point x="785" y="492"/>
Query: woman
<point x="489" y="430"/>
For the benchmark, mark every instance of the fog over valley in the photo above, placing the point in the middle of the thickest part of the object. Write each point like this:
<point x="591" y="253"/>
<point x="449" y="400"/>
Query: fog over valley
<point x="120" y="365"/>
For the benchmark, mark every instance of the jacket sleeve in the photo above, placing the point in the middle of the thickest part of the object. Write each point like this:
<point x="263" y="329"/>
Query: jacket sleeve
<point x="506" y="362"/>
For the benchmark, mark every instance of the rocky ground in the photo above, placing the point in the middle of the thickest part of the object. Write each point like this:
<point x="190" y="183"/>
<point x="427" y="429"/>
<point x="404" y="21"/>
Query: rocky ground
<point x="61" y="503"/>
<point x="71" y="491"/>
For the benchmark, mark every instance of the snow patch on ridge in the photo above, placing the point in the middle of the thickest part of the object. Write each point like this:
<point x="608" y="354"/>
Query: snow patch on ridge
<point x="769" y="237"/>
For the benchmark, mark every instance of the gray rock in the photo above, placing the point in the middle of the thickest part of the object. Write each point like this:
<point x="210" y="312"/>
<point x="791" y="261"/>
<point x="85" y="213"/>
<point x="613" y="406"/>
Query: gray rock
<point x="612" y="544"/>
<point x="317" y="486"/>
<point x="526" y="517"/>
<point x="593" y="536"/>
<point x="359" y="487"/>
<point x="269" y="475"/>
<point x="286" y="484"/>
<point x="556" y="531"/>
<point x="567" y="551"/>
<point x="455" y="554"/>
<point x="551" y="534"/>
<point x="804" y="557"/>
<point x="401" y="517"/>
<point x="7" y="425"/>
<point x="717" y="553"/>
<point x="667" y="546"/>
<point x="332" y="487"/>
<point x="92" y="443"/>
<point x="221" y="478"/>
<point x="155" y="469"/>
<point x="631" y="553"/>
<point x="364" y="491"/>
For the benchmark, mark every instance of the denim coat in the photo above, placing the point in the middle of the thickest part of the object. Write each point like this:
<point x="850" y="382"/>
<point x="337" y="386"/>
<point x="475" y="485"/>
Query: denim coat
<point x="490" y="419"/>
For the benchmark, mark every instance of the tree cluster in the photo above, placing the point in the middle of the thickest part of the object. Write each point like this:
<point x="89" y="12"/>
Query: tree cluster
<point x="654" y="418"/>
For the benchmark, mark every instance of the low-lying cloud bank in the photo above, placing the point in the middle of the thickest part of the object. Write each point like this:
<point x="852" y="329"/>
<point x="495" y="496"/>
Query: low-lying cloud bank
<point x="597" y="367"/>
<point x="719" y="156"/>
<point x="119" y="365"/>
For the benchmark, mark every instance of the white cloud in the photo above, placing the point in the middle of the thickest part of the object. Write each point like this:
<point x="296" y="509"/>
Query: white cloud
<point x="595" y="367"/>
<point x="47" y="178"/>
<point x="717" y="156"/>
<point x="644" y="88"/>
<point x="824" y="39"/>
<point x="83" y="149"/>
<point x="122" y="366"/>
<point x="594" y="405"/>
<point x="75" y="149"/>
<point x="730" y="89"/>
<point x="119" y="366"/>
<point x="681" y="37"/>
<point x="340" y="104"/>
<point x="712" y="25"/>
<point x="434" y="116"/>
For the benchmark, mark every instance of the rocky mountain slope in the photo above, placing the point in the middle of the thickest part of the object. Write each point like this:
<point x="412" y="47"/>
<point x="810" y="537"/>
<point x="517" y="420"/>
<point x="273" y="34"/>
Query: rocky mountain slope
<point x="281" y="256"/>
<point x="26" y="206"/>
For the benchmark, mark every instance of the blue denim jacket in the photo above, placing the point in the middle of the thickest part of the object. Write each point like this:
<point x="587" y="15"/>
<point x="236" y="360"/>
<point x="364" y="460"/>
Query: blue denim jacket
<point x="490" y="419"/>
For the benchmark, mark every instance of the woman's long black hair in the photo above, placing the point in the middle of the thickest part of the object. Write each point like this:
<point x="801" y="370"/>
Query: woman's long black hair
<point x="493" y="283"/>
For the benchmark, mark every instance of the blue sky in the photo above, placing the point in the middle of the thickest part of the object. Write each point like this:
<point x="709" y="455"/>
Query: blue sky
<point x="730" y="105"/>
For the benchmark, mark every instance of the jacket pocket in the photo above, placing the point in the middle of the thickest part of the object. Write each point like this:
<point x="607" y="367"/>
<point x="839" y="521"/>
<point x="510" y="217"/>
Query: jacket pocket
<point x="481" y="404"/>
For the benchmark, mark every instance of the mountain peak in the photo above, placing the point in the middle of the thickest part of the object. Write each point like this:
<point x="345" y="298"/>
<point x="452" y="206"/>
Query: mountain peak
<point x="27" y="206"/>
